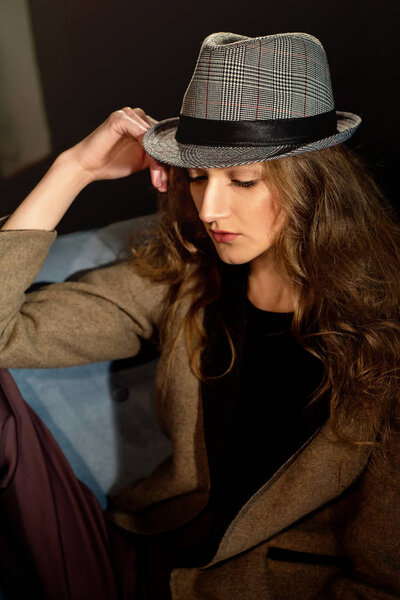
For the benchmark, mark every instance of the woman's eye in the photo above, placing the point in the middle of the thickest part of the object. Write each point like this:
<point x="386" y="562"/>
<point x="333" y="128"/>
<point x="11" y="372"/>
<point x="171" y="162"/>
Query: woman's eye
<point x="234" y="181"/>
<point x="245" y="183"/>
<point x="193" y="179"/>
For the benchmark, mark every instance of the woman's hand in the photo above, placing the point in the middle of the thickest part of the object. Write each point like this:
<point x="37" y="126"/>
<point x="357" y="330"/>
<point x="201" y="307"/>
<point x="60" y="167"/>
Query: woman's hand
<point x="115" y="148"/>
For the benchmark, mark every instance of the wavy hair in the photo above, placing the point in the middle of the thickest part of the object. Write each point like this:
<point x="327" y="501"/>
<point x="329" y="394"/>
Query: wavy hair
<point x="339" y="245"/>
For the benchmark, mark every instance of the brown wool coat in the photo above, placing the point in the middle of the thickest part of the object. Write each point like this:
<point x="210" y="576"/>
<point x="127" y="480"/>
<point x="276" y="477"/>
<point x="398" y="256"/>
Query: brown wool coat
<point x="326" y="525"/>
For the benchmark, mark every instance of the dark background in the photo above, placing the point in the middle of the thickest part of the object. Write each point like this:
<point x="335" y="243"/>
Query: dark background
<point x="96" y="56"/>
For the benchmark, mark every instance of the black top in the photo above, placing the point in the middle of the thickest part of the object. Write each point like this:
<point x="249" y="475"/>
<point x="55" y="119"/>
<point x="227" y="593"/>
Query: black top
<point x="268" y="419"/>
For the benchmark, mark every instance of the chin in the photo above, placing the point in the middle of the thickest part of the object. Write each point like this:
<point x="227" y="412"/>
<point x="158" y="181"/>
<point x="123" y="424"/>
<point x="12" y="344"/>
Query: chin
<point x="234" y="260"/>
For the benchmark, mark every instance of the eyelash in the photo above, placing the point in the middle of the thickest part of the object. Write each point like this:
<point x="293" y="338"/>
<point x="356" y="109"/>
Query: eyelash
<point x="234" y="181"/>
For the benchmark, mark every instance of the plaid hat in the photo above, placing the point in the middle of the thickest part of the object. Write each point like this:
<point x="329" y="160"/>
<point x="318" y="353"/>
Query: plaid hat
<point x="251" y="100"/>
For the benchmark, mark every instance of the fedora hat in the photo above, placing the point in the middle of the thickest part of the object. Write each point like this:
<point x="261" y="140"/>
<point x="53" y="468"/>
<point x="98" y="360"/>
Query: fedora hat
<point x="252" y="99"/>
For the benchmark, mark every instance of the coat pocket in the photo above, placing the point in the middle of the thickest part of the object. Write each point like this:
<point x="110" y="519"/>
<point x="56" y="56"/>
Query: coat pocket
<point x="309" y="558"/>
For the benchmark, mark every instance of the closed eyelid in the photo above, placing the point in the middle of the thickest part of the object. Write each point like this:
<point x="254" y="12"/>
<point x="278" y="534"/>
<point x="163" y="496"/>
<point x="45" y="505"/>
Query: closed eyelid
<point x="231" y="179"/>
<point x="245" y="174"/>
<point x="236" y="182"/>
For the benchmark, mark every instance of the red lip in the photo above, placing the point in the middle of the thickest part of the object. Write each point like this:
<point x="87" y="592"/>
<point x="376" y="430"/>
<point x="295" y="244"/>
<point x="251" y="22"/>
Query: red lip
<point x="224" y="236"/>
<point x="222" y="231"/>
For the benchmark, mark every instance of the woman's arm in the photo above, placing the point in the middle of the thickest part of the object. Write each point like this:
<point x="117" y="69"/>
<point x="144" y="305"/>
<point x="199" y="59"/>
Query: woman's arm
<point x="103" y="315"/>
<point x="112" y="151"/>
<point x="47" y="203"/>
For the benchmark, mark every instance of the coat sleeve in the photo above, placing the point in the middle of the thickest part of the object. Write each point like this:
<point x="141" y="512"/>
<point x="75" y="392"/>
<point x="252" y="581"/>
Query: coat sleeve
<point x="102" y="316"/>
<point x="372" y="534"/>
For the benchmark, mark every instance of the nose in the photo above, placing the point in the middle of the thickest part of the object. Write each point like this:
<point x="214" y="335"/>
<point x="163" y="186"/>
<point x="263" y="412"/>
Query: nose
<point x="213" y="202"/>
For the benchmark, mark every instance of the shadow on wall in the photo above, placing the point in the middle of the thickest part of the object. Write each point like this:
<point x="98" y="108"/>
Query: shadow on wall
<point x="24" y="131"/>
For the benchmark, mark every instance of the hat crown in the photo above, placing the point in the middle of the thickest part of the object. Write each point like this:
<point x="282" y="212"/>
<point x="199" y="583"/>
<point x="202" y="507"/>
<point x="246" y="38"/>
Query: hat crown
<point x="239" y="78"/>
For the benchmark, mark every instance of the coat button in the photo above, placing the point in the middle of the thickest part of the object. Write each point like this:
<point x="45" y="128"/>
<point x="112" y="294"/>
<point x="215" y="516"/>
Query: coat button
<point x="120" y="393"/>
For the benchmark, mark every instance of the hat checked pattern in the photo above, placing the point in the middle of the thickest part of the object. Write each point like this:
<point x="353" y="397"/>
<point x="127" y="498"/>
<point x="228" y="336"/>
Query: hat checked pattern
<point x="273" y="77"/>
<point x="241" y="81"/>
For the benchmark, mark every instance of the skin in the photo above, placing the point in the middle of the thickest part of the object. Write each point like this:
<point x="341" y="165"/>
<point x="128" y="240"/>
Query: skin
<point x="255" y="213"/>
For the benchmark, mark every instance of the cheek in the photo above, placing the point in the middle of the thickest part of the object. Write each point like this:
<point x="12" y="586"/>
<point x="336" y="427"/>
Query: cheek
<point x="267" y="216"/>
<point x="278" y="217"/>
<point x="196" y="200"/>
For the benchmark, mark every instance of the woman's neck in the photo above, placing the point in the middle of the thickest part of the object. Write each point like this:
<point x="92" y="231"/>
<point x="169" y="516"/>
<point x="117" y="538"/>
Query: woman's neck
<point x="267" y="288"/>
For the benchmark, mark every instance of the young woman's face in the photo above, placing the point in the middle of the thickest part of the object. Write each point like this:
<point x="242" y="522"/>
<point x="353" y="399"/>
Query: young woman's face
<point x="236" y="202"/>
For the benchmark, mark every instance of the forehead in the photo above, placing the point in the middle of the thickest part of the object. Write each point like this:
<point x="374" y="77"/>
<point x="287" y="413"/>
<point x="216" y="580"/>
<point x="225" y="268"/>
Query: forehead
<point x="253" y="169"/>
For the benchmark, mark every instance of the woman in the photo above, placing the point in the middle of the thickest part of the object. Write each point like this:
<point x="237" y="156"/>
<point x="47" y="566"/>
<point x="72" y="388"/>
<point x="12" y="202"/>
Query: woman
<point x="271" y="288"/>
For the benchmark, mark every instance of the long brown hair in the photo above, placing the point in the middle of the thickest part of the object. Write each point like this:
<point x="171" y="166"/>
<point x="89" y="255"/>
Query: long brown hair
<point x="340" y="246"/>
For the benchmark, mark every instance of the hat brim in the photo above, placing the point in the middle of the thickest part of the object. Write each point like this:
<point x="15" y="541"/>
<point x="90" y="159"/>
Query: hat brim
<point x="160" y="143"/>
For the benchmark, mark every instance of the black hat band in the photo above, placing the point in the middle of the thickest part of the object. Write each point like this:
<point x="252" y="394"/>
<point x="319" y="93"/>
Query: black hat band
<point x="273" y="132"/>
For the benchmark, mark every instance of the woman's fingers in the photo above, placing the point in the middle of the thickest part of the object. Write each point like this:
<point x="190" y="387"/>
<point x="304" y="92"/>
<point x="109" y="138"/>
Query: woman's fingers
<point x="151" y="120"/>
<point x="129" y="123"/>
<point x="138" y="115"/>
<point x="158" y="173"/>
<point x="145" y="117"/>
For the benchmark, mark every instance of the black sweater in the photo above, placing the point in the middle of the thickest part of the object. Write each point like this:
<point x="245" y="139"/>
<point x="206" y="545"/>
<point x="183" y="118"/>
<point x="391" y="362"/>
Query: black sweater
<point x="266" y="416"/>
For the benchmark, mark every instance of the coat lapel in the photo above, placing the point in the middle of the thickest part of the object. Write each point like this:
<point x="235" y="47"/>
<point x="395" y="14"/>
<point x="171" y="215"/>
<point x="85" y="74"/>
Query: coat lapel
<point x="317" y="473"/>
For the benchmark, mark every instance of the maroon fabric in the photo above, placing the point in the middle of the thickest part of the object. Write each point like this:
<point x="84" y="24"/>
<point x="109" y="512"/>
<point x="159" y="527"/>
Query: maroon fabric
<point x="54" y="540"/>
